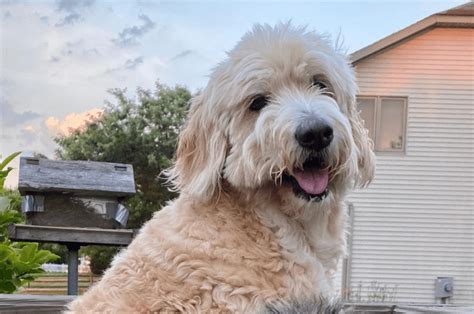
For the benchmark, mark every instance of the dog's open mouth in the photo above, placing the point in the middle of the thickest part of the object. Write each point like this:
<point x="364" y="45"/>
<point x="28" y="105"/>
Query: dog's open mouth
<point x="311" y="180"/>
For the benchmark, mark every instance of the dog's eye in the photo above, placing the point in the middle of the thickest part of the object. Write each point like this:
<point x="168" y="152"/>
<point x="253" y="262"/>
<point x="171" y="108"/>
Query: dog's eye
<point x="323" y="86"/>
<point x="258" y="102"/>
<point x="319" y="84"/>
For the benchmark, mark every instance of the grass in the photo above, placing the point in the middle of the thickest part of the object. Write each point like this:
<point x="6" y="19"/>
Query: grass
<point x="56" y="284"/>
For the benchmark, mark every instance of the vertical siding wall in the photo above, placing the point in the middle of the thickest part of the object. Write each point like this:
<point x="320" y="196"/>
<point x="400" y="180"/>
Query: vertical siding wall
<point x="416" y="221"/>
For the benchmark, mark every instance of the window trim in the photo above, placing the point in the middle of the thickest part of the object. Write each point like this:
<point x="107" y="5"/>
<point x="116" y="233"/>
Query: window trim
<point x="377" y="117"/>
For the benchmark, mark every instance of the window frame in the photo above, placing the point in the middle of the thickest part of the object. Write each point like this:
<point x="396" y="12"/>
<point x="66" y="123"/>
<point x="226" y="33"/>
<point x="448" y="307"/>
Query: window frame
<point x="377" y="119"/>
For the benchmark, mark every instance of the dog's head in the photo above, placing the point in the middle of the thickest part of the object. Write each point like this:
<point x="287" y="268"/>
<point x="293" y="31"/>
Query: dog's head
<point x="280" y="112"/>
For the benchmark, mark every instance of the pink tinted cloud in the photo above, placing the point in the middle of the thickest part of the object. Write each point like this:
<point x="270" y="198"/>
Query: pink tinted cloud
<point x="72" y="121"/>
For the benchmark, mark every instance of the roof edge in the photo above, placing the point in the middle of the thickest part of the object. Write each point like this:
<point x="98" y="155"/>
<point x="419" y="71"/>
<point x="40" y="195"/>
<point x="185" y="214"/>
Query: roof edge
<point x="410" y="31"/>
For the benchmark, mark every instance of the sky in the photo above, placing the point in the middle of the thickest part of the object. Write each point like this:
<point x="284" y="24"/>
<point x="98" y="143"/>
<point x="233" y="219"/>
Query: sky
<point x="58" y="59"/>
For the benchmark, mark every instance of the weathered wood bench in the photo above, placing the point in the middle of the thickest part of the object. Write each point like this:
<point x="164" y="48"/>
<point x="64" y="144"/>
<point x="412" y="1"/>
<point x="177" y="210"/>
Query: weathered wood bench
<point x="21" y="303"/>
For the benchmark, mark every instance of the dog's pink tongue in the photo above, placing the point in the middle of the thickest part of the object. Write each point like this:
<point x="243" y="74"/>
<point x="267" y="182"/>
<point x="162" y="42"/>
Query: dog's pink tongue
<point x="313" y="182"/>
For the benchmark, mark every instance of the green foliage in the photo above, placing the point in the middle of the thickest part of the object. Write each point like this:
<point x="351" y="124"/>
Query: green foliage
<point x="3" y="164"/>
<point x="7" y="217"/>
<point x="141" y="131"/>
<point x="11" y="199"/>
<point x="19" y="262"/>
<point x="100" y="257"/>
<point x="57" y="249"/>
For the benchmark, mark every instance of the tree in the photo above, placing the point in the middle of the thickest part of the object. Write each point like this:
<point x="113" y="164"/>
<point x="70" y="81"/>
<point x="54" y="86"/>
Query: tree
<point x="142" y="132"/>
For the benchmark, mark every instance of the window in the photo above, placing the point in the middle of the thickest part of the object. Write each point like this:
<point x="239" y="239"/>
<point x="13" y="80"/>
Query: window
<point x="384" y="117"/>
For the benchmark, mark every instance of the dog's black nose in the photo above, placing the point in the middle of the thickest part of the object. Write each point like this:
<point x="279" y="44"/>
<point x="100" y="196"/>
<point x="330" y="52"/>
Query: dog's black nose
<point x="315" y="136"/>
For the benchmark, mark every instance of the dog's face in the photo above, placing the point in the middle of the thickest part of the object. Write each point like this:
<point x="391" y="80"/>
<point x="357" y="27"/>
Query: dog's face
<point x="279" y="112"/>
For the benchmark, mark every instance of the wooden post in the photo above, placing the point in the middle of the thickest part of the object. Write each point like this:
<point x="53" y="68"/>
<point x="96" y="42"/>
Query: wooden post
<point x="347" y="261"/>
<point x="72" y="269"/>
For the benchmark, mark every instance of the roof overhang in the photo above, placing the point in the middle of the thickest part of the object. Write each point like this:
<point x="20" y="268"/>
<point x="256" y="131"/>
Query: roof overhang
<point x="451" y="21"/>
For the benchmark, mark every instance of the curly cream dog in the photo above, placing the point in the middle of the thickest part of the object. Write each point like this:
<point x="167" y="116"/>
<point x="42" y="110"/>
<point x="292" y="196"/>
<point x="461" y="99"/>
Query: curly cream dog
<point x="271" y="147"/>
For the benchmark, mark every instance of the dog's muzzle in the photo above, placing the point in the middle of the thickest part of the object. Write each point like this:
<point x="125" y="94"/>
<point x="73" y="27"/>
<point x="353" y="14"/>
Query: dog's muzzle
<point x="314" y="135"/>
<point x="311" y="180"/>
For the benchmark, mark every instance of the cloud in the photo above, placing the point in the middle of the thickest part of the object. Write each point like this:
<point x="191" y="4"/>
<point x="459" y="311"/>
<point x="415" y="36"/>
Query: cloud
<point x="28" y="135"/>
<point x="130" y="64"/>
<point x="73" y="5"/>
<point x="74" y="44"/>
<point x="69" y="19"/>
<point x="5" y="136"/>
<point x="77" y="49"/>
<point x="183" y="54"/>
<point x="72" y="8"/>
<point x="5" y="83"/>
<point x="12" y="118"/>
<point x="70" y="47"/>
<point x="29" y="128"/>
<point x="130" y="35"/>
<point x="71" y="122"/>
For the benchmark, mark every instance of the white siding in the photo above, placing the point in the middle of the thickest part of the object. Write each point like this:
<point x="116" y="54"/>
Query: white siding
<point x="416" y="221"/>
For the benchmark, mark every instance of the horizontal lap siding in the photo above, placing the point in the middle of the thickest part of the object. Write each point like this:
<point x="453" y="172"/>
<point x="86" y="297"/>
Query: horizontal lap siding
<point x="416" y="221"/>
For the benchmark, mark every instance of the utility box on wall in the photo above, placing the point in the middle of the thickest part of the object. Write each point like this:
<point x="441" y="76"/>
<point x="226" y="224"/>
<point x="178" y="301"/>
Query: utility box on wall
<point x="444" y="288"/>
<point x="75" y="193"/>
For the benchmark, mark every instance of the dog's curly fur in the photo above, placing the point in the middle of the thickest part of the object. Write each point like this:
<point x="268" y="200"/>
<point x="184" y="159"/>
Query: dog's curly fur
<point x="242" y="234"/>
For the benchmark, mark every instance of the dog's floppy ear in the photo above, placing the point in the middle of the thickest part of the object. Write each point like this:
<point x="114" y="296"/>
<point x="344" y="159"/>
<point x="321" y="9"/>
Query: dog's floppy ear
<point x="201" y="152"/>
<point x="364" y="148"/>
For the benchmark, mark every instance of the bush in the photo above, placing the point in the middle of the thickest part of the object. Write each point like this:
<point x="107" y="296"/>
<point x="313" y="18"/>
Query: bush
<point x="19" y="262"/>
<point x="101" y="256"/>
<point x="57" y="249"/>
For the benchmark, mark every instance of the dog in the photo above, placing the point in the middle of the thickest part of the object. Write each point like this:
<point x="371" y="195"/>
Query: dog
<point x="271" y="147"/>
<point x="319" y="305"/>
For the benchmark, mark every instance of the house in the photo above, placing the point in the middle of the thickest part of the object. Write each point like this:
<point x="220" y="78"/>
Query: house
<point x="415" y="222"/>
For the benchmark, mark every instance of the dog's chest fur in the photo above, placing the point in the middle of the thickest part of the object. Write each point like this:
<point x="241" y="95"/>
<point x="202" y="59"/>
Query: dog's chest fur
<point x="220" y="258"/>
<point x="309" y="247"/>
<point x="264" y="255"/>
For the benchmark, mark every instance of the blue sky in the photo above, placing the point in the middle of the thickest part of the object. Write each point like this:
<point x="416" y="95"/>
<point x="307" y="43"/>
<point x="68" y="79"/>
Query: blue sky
<point x="59" y="58"/>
